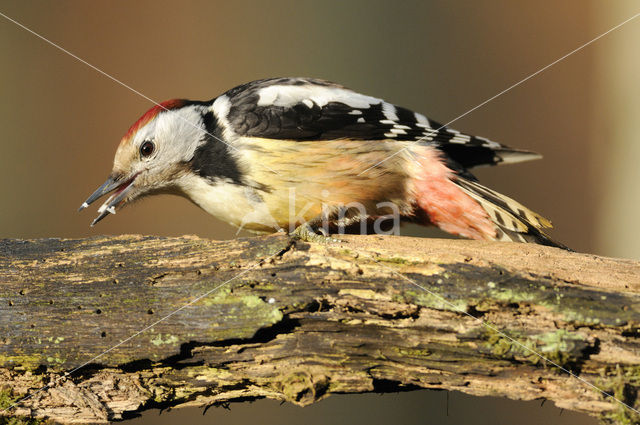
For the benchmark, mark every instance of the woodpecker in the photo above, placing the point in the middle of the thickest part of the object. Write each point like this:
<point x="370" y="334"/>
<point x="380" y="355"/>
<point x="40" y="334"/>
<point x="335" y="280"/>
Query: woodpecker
<point x="342" y="157"/>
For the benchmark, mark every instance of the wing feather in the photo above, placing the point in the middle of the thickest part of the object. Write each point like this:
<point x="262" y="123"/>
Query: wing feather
<point x="310" y="109"/>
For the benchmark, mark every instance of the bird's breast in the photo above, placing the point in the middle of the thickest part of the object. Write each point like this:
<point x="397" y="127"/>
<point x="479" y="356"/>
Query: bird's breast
<point x="227" y="201"/>
<point x="286" y="183"/>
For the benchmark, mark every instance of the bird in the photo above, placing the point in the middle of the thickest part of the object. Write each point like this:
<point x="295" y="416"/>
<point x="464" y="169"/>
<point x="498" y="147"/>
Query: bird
<point x="308" y="156"/>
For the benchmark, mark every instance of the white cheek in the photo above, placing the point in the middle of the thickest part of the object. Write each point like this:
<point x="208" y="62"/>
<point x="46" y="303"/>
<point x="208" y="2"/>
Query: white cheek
<point x="178" y="134"/>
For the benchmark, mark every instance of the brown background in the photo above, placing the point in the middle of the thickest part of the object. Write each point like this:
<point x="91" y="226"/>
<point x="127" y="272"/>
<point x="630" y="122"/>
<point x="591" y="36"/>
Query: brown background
<point x="61" y="120"/>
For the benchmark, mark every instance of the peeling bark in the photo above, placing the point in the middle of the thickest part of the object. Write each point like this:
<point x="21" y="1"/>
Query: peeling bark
<point x="298" y="322"/>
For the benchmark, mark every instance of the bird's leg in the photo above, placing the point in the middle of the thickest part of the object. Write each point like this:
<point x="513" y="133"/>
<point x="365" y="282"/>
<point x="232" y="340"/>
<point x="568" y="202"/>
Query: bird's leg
<point x="307" y="231"/>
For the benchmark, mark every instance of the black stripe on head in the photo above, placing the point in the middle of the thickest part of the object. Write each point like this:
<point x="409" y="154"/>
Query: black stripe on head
<point x="212" y="159"/>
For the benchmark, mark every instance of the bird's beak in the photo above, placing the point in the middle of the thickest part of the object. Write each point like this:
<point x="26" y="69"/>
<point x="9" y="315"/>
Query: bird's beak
<point x="122" y="187"/>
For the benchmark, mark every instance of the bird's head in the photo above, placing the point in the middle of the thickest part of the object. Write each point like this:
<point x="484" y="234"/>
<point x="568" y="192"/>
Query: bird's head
<point x="153" y="154"/>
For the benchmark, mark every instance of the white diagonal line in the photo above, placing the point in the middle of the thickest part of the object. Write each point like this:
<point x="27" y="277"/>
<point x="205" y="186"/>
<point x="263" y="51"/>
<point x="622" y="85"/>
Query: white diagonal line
<point x="114" y="79"/>
<point x="130" y="337"/>
<point x="518" y="343"/>
<point x="577" y="49"/>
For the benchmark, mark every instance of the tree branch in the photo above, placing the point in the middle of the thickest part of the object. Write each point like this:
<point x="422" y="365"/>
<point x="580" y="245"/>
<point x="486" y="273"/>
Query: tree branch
<point x="298" y="322"/>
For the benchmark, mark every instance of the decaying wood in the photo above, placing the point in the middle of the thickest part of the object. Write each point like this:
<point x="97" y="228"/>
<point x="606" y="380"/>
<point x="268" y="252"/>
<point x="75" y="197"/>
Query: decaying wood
<point x="298" y="322"/>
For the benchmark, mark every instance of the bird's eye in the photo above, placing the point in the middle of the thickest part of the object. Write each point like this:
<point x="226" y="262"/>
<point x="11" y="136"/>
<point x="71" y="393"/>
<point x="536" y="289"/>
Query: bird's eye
<point x="147" y="148"/>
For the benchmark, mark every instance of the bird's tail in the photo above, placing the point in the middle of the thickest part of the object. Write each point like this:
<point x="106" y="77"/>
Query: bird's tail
<point x="457" y="204"/>
<point x="513" y="221"/>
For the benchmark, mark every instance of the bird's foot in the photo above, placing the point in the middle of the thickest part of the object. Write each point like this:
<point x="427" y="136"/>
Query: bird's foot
<point x="305" y="233"/>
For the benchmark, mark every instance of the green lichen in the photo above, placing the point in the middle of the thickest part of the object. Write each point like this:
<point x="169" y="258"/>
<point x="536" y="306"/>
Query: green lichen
<point x="560" y="347"/>
<point x="413" y="352"/>
<point x="508" y="295"/>
<point x="259" y="309"/>
<point x="432" y="299"/>
<point x="21" y="361"/>
<point x="55" y="359"/>
<point x="622" y="383"/>
<point x="394" y="260"/>
<point x="250" y="311"/>
<point x="302" y="387"/>
<point x="158" y="340"/>
<point x="252" y="301"/>
<point x="583" y="307"/>
<point x="56" y="340"/>
<point x="6" y="400"/>
<point x="209" y="373"/>
<point x="560" y="340"/>
<point x="490" y="287"/>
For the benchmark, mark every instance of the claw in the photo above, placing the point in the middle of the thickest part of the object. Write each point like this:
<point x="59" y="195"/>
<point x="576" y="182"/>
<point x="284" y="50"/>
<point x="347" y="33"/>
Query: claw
<point x="305" y="233"/>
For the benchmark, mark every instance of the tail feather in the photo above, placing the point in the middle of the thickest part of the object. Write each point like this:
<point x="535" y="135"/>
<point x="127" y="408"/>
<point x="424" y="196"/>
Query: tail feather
<point x="512" y="156"/>
<point x="452" y="200"/>
<point x="514" y="221"/>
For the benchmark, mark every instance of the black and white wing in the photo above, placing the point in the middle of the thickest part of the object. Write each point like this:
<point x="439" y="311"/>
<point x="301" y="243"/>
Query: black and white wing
<point x="306" y="109"/>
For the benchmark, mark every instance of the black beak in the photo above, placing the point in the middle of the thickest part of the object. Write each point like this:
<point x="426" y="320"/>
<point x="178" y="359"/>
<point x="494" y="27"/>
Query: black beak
<point x="111" y="184"/>
<point x="114" y="183"/>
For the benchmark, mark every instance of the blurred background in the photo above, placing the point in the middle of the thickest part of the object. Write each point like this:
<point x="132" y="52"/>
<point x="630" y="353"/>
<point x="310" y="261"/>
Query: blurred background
<point x="62" y="120"/>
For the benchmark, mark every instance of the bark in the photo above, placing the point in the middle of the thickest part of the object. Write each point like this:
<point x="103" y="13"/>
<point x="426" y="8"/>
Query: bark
<point x="298" y="322"/>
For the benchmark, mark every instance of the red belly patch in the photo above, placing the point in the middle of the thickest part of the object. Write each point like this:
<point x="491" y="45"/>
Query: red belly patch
<point x="446" y="205"/>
